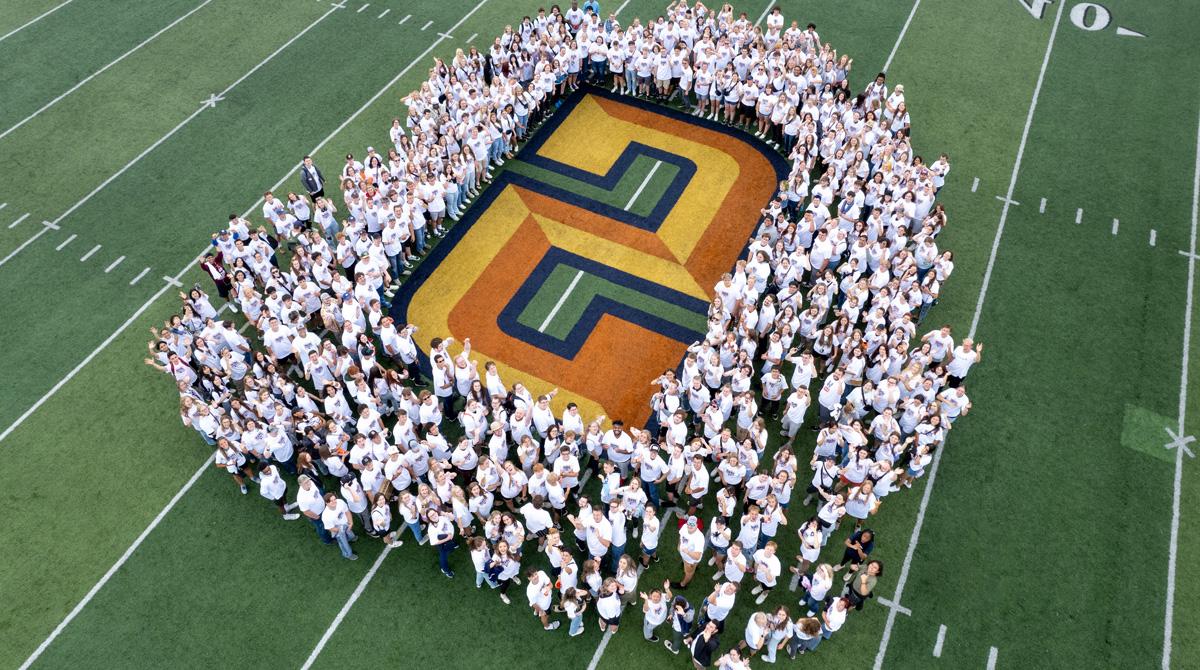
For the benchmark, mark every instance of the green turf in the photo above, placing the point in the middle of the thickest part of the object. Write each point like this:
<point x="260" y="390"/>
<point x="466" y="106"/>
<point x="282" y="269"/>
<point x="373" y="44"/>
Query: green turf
<point x="585" y="291"/>
<point x="621" y="196"/>
<point x="1046" y="533"/>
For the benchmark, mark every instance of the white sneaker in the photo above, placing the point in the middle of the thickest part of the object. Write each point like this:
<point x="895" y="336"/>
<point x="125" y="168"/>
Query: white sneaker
<point x="712" y="560"/>
<point x="244" y="491"/>
<point x="761" y="598"/>
<point x="291" y="517"/>
<point x="517" y="581"/>
<point x="552" y="626"/>
<point x="756" y="590"/>
<point x="719" y="574"/>
<point x="578" y="632"/>
<point x="233" y="308"/>
<point x="395" y="543"/>
<point x="505" y="599"/>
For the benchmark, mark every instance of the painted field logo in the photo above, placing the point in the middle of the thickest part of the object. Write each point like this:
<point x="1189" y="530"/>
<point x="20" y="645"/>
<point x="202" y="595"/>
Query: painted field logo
<point x="589" y="264"/>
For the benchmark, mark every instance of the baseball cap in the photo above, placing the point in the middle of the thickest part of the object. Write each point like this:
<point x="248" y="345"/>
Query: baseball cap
<point x="692" y="521"/>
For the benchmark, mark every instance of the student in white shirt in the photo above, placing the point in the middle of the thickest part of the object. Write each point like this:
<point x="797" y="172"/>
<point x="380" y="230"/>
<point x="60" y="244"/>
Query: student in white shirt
<point x="539" y="591"/>
<point x="340" y="524"/>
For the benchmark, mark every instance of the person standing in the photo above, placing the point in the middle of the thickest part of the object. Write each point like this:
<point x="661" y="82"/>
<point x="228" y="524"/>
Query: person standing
<point x="340" y="524"/>
<point x="441" y="535"/>
<point x="312" y="179"/>
<point x="704" y="646"/>
<point x="312" y="505"/>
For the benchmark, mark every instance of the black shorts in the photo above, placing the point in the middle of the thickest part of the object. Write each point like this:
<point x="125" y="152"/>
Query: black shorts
<point x="615" y="621"/>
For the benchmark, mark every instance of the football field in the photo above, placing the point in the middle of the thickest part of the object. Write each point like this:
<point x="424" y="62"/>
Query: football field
<point x="1057" y="529"/>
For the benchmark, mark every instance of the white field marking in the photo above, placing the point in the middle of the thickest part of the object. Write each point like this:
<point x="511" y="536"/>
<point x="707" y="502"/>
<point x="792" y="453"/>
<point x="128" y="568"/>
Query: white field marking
<point x="406" y="17"/>
<point x="1116" y="224"/>
<point x="941" y="640"/>
<point x="89" y="254"/>
<point x="115" y="566"/>
<point x="1169" y="618"/>
<point x="446" y="35"/>
<point x="1079" y="215"/>
<point x="561" y="300"/>
<point x="638" y="192"/>
<point x="385" y="13"/>
<point x="3" y="205"/>
<point x="174" y="281"/>
<point x="1007" y="201"/>
<point x="583" y="479"/>
<point x="164" y="138"/>
<point x="987" y="277"/>
<point x="766" y="10"/>
<point x="104" y="345"/>
<point x="1186" y="254"/>
<point x="623" y="4"/>
<point x="360" y="9"/>
<point x="472" y="37"/>
<point x="975" y="185"/>
<point x="114" y="265"/>
<point x="1153" y="236"/>
<point x="95" y="74"/>
<point x="34" y="20"/>
<point x="992" y="654"/>
<point x="337" y="621"/>
<point x="338" y="5"/>
<point x="426" y="26"/>
<point x="245" y="326"/>
<point x="65" y="242"/>
<point x="1125" y="32"/>
<point x="1042" y="207"/>
<point x="139" y="276"/>
<point x="16" y="223"/>
<point x="608" y="633"/>
<point x="888" y="63"/>
<point x="49" y="224"/>
<point x="893" y="606"/>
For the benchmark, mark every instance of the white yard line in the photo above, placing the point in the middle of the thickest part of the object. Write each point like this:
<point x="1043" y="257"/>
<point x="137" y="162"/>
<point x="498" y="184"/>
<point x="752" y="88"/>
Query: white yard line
<point x="1116" y="224"/>
<point x="766" y="10"/>
<point x="115" y="263"/>
<point x="1042" y="206"/>
<point x="987" y="277"/>
<point x="561" y="301"/>
<point x="360" y="9"/>
<point x="1177" y="484"/>
<point x="137" y="313"/>
<point x="426" y="26"/>
<point x="1079" y="215"/>
<point x="65" y="242"/>
<point x="41" y="16"/>
<point x="139" y="276"/>
<point x="115" y="566"/>
<point x="3" y="205"/>
<point x="472" y="37"/>
<point x="385" y="13"/>
<point x="164" y="138"/>
<point x="406" y="17"/>
<point x="992" y="654"/>
<point x="888" y="63"/>
<point x="97" y="73"/>
<point x="337" y="621"/>
<point x="1153" y="236"/>
<point x="89" y="254"/>
<point x="975" y="185"/>
<point x="623" y="4"/>
<point x="941" y="640"/>
<point x="16" y="223"/>
<point x="638" y="192"/>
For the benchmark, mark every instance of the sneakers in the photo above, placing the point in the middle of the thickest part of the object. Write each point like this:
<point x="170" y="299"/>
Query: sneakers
<point x="232" y="307"/>
<point x="846" y="577"/>
<point x="395" y="543"/>
<point x="578" y="632"/>
<point x="553" y="625"/>
<point x="291" y="517"/>
<point x="352" y="557"/>
<point x="673" y="650"/>
<point x="756" y="590"/>
<point x="761" y="597"/>
<point x="449" y="574"/>
<point x="718" y="574"/>
<point x="244" y="490"/>
<point x="653" y="638"/>
<point x="505" y="600"/>
<point x="712" y="560"/>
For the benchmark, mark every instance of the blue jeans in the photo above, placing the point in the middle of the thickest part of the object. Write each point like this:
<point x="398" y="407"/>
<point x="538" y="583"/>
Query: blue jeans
<point x="343" y="537"/>
<point x="419" y="233"/>
<point x="415" y="527"/>
<point x="444" y="550"/>
<point x="614" y="556"/>
<point x="481" y="578"/>
<point x="326" y="538"/>
<point x="651" y="489"/>
<point x="576" y="623"/>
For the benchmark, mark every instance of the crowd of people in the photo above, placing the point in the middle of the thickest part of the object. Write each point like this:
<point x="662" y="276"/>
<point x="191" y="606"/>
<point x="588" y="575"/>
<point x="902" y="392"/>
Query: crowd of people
<point x="344" y="417"/>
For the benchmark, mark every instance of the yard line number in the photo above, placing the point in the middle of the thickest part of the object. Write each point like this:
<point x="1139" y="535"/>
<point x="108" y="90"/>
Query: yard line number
<point x="1087" y="16"/>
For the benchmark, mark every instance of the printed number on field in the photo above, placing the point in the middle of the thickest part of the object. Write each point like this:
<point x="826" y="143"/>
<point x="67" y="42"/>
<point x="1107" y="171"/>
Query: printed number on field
<point x="1087" y="16"/>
